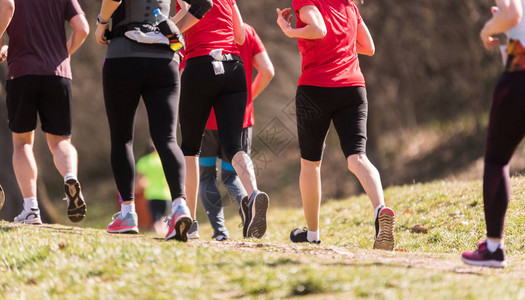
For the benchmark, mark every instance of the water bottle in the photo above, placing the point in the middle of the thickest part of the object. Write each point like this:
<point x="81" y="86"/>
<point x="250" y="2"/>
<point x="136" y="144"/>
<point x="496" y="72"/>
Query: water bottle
<point x="169" y="29"/>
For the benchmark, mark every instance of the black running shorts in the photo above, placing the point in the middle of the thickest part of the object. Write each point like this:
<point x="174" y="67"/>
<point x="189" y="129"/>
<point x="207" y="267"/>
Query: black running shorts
<point x="347" y="107"/>
<point x="49" y="96"/>
<point x="211" y="146"/>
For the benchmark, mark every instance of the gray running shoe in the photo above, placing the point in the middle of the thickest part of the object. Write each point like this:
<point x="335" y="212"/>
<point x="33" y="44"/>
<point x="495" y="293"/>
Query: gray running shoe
<point x="29" y="217"/>
<point x="2" y="197"/>
<point x="193" y="232"/>
<point x="76" y="206"/>
<point x="258" y="209"/>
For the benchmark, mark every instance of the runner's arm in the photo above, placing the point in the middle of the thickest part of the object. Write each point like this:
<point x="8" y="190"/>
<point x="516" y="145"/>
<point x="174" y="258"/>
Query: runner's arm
<point x="265" y="73"/>
<point x="238" y="30"/>
<point x="192" y="16"/>
<point x="80" y="32"/>
<point x="365" y="43"/>
<point x="508" y="15"/>
<point x="309" y="14"/>
<point x="106" y="11"/>
<point x="7" y="8"/>
<point x="183" y="9"/>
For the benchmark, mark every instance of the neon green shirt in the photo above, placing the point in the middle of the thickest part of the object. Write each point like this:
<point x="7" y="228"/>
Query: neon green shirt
<point x="150" y="167"/>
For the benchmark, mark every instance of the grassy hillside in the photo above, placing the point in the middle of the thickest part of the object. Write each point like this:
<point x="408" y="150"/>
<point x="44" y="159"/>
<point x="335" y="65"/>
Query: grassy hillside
<point x="54" y="261"/>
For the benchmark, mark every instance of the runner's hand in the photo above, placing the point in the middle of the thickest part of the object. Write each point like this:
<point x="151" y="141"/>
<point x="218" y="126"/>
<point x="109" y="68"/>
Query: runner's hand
<point x="99" y="34"/>
<point x="284" y="19"/>
<point x="3" y="53"/>
<point x="488" y="41"/>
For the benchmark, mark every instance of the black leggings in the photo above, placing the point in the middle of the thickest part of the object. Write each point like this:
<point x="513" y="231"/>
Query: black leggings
<point x="157" y="81"/>
<point x="202" y="90"/>
<point x="505" y="132"/>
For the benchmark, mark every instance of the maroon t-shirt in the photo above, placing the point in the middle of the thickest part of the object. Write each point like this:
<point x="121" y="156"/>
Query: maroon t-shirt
<point x="37" y="38"/>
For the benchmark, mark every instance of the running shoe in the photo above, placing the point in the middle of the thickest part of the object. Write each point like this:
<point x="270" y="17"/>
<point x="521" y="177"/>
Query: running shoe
<point x="179" y="224"/>
<point x="29" y="217"/>
<point x="483" y="257"/>
<point x="127" y="224"/>
<point x="2" y="197"/>
<point x="258" y="209"/>
<point x="299" y="235"/>
<point x="221" y="238"/>
<point x="193" y="232"/>
<point x="76" y="206"/>
<point x="384" y="238"/>
<point x="245" y="215"/>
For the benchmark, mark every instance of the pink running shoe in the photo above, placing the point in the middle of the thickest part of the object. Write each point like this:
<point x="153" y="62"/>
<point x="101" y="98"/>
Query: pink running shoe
<point x="127" y="224"/>
<point x="179" y="223"/>
<point x="483" y="257"/>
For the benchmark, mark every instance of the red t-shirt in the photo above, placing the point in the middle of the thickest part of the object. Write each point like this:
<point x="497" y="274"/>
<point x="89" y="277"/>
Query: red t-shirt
<point x="213" y="31"/>
<point x="37" y="38"/>
<point x="331" y="61"/>
<point x="252" y="46"/>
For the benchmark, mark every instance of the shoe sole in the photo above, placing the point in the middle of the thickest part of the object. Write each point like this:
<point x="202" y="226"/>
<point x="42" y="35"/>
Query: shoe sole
<point x="385" y="239"/>
<point x="76" y="210"/>
<point x="257" y="226"/>
<point x="244" y="215"/>
<point x="182" y="226"/>
<point x="131" y="230"/>
<point x="2" y="197"/>
<point x="31" y="222"/>
<point x="485" y="263"/>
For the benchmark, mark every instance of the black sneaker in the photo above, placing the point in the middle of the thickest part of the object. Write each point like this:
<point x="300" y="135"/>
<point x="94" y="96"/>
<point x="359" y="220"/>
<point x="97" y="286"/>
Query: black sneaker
<point x="384" y="238"/>
<point x="76" y="206"/>
<point x="258" y="209"/>
<point x="2" y="197"/>
<point x="299" y="235"/>
<point x="245" y="215"/>
<point x="483" y="257"/>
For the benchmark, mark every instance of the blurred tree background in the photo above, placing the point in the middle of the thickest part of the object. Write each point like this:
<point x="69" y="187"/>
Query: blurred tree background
<point x="429" y="89"/>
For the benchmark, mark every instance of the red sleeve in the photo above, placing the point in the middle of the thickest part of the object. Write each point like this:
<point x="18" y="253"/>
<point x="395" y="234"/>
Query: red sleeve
<point x="233" y="2"/>
<point x="72" y="9"/>
<point x="297" y="4"/>
<point x="354" y="7"/>
<point x="256" y="45"/>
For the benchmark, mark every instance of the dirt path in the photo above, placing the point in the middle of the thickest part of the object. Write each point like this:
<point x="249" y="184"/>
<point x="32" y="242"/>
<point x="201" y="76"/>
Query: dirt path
<point x="333" y="255"/>
<point x="341" y="255"/>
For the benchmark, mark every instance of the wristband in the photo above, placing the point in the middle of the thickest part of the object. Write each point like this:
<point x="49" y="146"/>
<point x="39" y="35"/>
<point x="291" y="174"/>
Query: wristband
<point x="102" y="21"/>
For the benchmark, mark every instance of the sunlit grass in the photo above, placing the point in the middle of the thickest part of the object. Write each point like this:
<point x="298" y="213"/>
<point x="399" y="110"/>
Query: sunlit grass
<point x="80" y="263"/>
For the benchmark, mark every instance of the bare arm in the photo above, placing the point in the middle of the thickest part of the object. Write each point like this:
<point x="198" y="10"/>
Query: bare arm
<point x="106" y="11"/>
<point x="80" y="32"/>
<point x="508" y="15"/>
<point x="265" y="73"/>
<point x="7" y="8"/>
<point x="365" y="43"/>
<point x="195" y="11"/>
<point x="238" y="30"/>
<point x="183" y="9"/>
<point x="315" y="27"/>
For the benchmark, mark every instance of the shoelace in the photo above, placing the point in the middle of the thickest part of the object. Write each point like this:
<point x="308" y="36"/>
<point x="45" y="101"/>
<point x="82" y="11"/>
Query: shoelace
<point x="115" y="216"/>
<point x="167" y="221"/>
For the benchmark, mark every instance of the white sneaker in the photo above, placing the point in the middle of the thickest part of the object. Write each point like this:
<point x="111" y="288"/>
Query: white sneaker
<point x="29" y="217"/>
<point x="193" y="232"/>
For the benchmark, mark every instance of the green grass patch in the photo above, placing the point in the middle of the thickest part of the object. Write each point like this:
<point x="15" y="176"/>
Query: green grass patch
<point x="62" y="262"/>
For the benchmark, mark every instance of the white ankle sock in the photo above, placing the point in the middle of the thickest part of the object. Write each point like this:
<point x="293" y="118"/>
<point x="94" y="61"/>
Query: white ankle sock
<point x="70" y="176"/>
<point x="127" y="208"/>
<point x="377" y="209"/>
<point x="175" y="204"/>
<point x="312" y="236"/>
<point x="29" y="203"/>
<point x="493" y="246"/>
